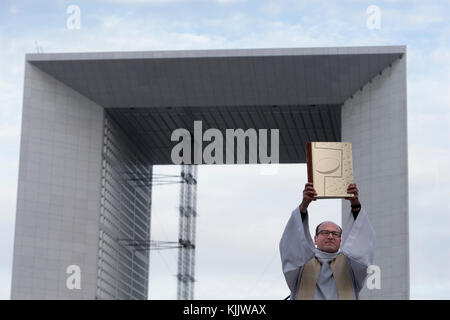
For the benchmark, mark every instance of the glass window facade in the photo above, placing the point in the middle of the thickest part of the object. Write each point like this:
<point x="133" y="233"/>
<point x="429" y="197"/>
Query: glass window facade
<point x="124" y="219"/>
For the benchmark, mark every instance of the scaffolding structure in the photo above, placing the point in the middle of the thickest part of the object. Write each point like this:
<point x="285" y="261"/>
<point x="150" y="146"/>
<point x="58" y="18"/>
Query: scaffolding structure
<point x="187" y="225"/>
<point x="186" y="238"/>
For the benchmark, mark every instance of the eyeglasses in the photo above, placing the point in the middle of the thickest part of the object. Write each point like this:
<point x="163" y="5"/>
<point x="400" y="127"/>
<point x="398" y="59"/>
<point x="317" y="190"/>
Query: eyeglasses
<point x="327" y="232"/>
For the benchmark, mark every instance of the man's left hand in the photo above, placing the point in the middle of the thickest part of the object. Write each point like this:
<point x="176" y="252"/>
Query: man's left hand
<point x="354" y="190"/>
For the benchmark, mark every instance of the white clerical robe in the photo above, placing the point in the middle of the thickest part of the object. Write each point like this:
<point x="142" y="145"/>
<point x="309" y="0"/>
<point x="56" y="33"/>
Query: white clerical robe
<point x="297" y="248"/>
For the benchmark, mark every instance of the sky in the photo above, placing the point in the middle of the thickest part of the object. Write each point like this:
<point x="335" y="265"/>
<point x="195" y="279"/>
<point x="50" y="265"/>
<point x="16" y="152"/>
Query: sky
<point x="238" y="231"/>
<point x="229" y="229"/>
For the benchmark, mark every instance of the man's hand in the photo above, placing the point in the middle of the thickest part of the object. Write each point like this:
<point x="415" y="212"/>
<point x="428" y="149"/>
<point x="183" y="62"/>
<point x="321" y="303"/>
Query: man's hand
<point x="354" y="190"/>
<point x="308" y="195"/>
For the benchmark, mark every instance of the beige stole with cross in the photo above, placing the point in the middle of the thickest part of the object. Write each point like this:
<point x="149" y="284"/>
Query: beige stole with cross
<point x="341" y="275"/>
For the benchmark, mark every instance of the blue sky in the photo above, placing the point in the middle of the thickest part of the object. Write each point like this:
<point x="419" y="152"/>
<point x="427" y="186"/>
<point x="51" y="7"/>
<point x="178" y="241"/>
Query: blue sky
<point x="119" y="25"/>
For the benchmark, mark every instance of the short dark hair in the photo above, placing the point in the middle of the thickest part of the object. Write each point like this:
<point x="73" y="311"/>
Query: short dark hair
<point x="317" y="228"/>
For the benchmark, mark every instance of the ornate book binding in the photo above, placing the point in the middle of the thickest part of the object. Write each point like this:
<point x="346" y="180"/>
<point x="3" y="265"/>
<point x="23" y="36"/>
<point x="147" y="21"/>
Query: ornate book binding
<point x="330" y="168"/>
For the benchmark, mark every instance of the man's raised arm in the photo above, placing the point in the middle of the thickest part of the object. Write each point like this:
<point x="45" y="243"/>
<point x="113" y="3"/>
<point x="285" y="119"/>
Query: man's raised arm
<point x="359" y="241"/>
<point x="296" y="245"/>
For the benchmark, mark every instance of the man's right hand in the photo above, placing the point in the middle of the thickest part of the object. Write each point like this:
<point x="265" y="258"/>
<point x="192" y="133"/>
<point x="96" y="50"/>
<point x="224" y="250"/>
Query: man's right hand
<point x="309" y="194"/>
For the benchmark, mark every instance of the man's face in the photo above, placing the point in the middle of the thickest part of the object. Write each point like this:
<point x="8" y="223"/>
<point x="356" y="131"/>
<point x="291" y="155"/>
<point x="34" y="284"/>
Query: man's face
<point x="328" y="243"/>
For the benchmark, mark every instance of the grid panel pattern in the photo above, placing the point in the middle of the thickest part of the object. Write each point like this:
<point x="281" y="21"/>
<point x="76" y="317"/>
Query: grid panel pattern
<point x="58" y="199"/>
<point x="124" y="218"/>
<point x="219" y="78"/>
<point x="151" y="128"/>
<point x="374" y="120"/>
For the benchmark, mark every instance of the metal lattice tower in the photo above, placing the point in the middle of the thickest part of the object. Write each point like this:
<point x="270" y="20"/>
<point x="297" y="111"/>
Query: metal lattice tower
<point x="186" y="238"/>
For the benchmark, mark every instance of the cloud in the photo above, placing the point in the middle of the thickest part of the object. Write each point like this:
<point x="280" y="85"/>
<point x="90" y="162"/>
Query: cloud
<point x="6" y="249"/>
<point x="144" y="2"/>
<point x="237" y="233"/>
<point x="425" y="15"/>
<point x="230" y="1"/>
<point x="9" y="134"/>
<point x="13" y="9"/>
<point x="429" y="220"/>
<point x="150" y="2"/>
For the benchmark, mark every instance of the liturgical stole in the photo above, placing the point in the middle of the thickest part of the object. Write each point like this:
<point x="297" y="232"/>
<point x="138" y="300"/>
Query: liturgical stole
<point x="341" y="275"/>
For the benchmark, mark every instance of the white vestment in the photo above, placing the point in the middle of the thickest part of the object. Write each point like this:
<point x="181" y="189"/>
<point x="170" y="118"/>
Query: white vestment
<point x="297" y="248"/>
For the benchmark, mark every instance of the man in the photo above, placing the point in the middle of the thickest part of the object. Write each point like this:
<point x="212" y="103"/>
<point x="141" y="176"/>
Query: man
<point x="337" y="267"/>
